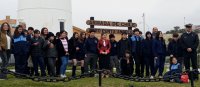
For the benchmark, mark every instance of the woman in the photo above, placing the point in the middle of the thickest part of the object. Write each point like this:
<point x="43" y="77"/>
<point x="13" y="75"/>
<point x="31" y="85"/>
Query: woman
<point x="44" y="33"/>
<point x="147" y="45"/>
<point x="51" y="53"/>
<point x="80" y="53"/>
<point x="73" y="56"/>
<point x="20" y="50"/>
<point x="104" y="50"/>
<point x="5" y="45"/>
<point x="63" y="52"/>
<point x="159" y="52"/>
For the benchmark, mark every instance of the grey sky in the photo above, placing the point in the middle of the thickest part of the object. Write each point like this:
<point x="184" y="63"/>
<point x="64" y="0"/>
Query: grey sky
<point x="165" y="14"/>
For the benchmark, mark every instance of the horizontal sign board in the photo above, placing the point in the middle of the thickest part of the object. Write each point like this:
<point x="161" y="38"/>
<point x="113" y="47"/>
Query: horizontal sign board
<point x="110" y="23"/>
<point x="111" y="31"/>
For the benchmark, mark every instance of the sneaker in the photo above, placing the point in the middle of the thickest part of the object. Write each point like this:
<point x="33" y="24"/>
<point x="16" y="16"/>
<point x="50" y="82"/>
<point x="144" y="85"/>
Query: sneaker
<point x="152" y="77"/>
<point x="160" y="77"/>
<point x="62" y="76"/>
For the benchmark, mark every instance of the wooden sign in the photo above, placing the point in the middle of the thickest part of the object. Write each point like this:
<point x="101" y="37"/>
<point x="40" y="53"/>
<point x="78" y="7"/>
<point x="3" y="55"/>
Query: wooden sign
<point x="111" y="31"/>
<point x="110" y="23"/>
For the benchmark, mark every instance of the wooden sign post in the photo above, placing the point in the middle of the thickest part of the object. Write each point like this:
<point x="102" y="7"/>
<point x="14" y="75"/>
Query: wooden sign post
<point x="94" y="23"/>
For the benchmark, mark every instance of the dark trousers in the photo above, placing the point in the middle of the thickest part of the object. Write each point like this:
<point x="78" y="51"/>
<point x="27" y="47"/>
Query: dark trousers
<point x="149" y="64"/>
<point x="46" y="64"/>
<point x="21" y="63"/>
<point x="114" y="62"/>
<point x="190" y="57"/>
<point x="38" y="60"/>
<point x="172" y="73"/>
<point x="5" y="56"/>
<point x="58" y="65"/>
<point x="91" y="60"/>
<point x="51" y="64"/>
<point x="159" y="65"/>
<point x="104" y="61"/>
<point x="138" y="64"/>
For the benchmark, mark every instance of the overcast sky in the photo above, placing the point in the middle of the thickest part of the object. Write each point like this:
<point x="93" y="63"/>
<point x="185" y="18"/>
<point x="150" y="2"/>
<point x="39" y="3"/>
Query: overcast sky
<point x="165" y="14"/>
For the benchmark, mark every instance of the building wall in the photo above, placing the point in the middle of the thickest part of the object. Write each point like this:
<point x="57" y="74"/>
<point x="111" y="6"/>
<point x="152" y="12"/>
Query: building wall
<point x="46" y="13"/>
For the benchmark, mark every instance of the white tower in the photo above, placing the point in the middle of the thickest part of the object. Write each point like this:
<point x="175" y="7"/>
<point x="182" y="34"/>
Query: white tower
<point x="53" y="14"/>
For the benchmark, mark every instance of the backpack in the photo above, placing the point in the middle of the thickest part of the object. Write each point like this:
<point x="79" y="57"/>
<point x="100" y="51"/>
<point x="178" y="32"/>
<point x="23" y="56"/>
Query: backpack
<point x="185" y="78"/>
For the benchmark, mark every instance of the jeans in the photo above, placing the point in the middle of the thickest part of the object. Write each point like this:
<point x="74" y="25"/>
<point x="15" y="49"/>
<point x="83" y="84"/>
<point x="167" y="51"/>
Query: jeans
<point x="38" y="60"/>
<point x="64" y="60"/>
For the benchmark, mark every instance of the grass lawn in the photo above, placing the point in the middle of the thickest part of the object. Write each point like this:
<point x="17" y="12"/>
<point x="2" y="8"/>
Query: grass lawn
<point x="88" y="82"/>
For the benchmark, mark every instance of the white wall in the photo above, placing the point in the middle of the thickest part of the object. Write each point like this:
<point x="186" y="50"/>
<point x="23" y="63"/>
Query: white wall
<point x="46" y="13"/>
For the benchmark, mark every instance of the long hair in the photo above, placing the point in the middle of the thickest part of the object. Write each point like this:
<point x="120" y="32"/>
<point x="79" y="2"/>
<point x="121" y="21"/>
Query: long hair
<point x="42" y="31"/>
<point x="160" y="38"/>
<point x="148" y="32"/>
<point x="63" y="31"/>
<point x="9" y="28"/>
<point x="16" y="32"/>
<point x="81" y="38"/>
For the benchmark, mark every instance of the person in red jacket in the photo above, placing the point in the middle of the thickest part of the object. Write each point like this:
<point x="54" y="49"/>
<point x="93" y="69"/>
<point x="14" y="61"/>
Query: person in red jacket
<point x="104" y="50"/>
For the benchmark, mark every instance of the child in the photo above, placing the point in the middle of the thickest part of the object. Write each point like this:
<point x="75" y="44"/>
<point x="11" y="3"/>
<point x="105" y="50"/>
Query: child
<point x="159" y="52"/>
<point x="147" y="52"/>
<point x="50" y="53"/>
<point x="37" y="53"/>
<point x="114" y="61"/>
<point x="73" y="41"/>
<point x="20" y="50"/>
<point x="174" y="73"/>
<point x="63" y="52"/>
<point x="127" y="64"/>
<point x="104" y="50"/>
<point x="174" y="48"/>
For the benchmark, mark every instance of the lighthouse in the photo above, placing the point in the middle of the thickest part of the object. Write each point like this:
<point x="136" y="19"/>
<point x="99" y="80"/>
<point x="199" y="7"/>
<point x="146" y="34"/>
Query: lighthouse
<point x="56" y="15"/>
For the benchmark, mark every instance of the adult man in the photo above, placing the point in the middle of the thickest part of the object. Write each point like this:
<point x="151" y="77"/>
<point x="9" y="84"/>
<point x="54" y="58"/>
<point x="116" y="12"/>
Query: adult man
<point x="189" y="44"/>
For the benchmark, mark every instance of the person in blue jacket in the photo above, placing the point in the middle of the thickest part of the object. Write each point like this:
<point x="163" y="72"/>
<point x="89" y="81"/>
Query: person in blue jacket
<point x="159" y="53"/>
<point x="147" y="45"/>
<point x="174" y="74"/>
<point x="136" y="51"/>
<point x="20" y="50"/>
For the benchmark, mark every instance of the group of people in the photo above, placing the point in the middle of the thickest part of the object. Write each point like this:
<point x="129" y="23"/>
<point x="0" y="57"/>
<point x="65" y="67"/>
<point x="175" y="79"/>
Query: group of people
<point x="133" y="55"/>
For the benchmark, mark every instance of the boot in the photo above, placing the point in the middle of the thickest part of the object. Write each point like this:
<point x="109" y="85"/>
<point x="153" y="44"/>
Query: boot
<point x="82" y="70"/>
<point x="74" y="71"/>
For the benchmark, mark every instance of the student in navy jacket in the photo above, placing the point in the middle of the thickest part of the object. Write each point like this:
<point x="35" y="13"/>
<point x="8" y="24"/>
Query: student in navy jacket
<point x="91" y="52"/>
<point x="136" y="50"/>
<point x="20" y="50"/>
<point x="147" y="46"/>
<point x="174" y="48"/>
<point x="127" y="64"/>
<point x="159" y="53"/>
<point x="37" y="53"/>
<point x="114" y="60"/>
<point x="123" y="45"/>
